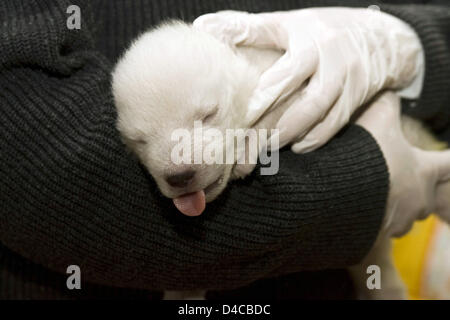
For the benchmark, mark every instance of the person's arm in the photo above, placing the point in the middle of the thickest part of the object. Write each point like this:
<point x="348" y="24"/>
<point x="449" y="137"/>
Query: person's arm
<point x="71" y="194"/>
<point x="432" y="25"/>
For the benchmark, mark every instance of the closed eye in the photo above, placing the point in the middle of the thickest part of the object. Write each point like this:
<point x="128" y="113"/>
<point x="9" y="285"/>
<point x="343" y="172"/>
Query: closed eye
<point x="140" y="142"/>
<point x="210" y="114"/>
<point x="137" y="141"/>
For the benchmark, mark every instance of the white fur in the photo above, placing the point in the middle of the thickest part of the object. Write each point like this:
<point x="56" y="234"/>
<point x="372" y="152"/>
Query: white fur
<point x="169" y="78"/>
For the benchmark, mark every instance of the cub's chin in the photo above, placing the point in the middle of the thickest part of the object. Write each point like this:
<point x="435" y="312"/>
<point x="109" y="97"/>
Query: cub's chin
<point x="216" y="188"/>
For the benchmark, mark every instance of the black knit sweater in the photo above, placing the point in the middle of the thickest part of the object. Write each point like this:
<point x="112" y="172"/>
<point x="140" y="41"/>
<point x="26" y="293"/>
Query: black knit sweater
<point x="71" y="194"/>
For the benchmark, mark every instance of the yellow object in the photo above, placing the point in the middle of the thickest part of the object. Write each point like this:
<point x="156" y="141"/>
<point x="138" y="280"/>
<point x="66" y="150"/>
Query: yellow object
<point x="422" y="258"/>
<point x="410" y="254"/>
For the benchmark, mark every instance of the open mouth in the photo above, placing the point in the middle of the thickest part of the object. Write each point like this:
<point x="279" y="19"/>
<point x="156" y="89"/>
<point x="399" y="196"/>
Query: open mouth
<point x="193" y="204"/>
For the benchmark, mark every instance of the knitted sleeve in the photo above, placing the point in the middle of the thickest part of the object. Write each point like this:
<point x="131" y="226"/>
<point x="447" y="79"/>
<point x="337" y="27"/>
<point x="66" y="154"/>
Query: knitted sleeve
<point x="70" y="194"/>
<point x="432" y="24"/>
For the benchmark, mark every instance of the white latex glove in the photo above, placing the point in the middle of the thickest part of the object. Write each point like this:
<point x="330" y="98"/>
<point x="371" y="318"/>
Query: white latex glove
<point x="419" y="180"/>
<point x="348" y="54"/>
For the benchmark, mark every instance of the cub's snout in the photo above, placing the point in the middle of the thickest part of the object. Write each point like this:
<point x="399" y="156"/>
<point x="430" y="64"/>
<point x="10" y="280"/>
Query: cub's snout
<point x="181" y="179"/>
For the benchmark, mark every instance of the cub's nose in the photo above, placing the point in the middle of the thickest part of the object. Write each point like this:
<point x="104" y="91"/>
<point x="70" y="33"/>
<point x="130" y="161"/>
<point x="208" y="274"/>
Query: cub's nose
<point x="180" y="180"/>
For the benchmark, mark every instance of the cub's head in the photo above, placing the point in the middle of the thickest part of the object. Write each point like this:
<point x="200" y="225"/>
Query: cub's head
<point x="172" y="83"/>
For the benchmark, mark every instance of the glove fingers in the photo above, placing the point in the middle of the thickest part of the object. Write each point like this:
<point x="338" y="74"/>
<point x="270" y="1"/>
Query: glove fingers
<point x="339" y="116"/>
<point x="243" y="28"/>
<point x="412" y="203"/>
<point x="280" y="81"/>
<point x="317" y="137"/>
<point x="443" y="161"/>
<point x="306" y="111"/>
<point x="438" y="162"/>
<point x="323" y="131"/>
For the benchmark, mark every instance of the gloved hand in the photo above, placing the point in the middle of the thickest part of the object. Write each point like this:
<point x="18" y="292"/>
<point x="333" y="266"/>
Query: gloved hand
<point x="348" y="54"/>
<point x="419" y="180"/>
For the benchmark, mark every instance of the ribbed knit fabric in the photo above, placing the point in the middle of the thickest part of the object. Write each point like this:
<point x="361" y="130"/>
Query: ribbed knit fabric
<point x="71" y="194"/>
<point x="21" y="279"/>
<point x="432" y="24"/>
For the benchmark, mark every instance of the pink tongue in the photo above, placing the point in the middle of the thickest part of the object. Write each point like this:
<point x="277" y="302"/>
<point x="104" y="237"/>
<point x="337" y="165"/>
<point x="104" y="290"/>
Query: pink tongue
<point x="191" y="204"/>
